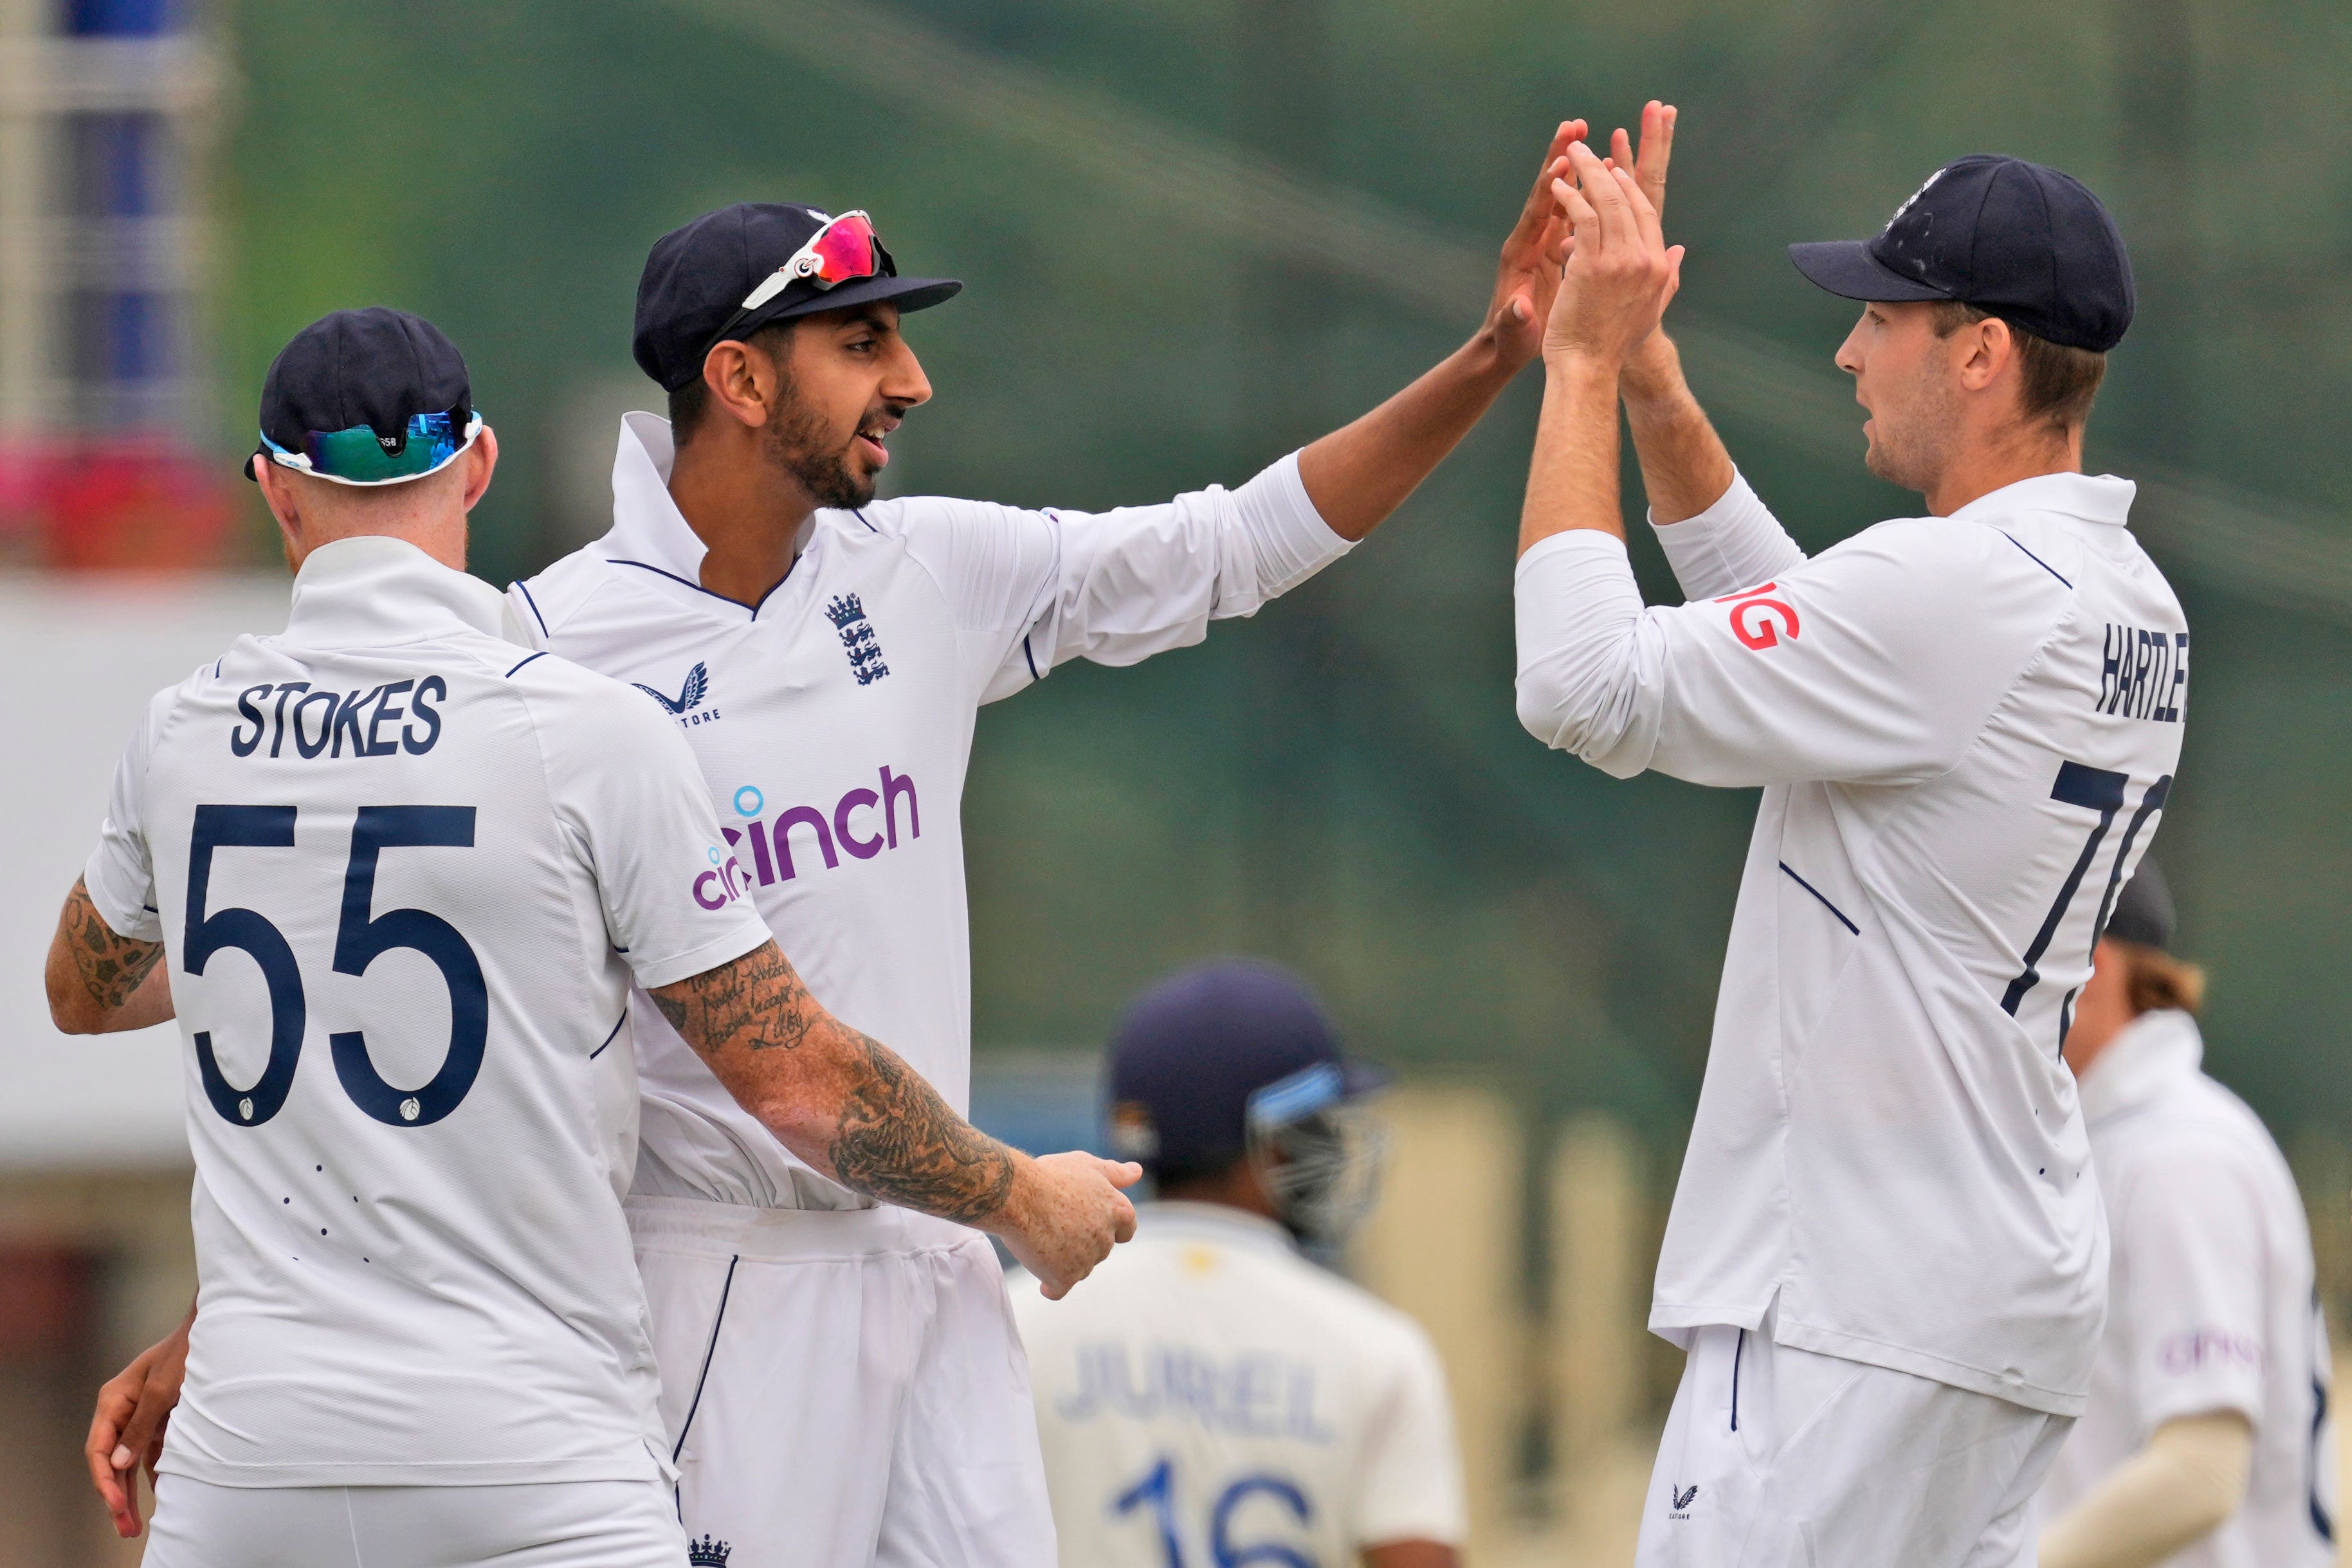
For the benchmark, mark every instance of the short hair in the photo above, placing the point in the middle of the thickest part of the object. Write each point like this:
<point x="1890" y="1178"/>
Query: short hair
<point x="688" y="404"/>
<point x="2154" y="980"/>
<point x="2059" y="383"/>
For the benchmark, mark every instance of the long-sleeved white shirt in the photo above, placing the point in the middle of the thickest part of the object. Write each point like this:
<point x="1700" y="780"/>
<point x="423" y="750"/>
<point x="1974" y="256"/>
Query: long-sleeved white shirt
<point x="1966" y="728"/>
<point x="2213" y="1307"/>
<point x="834" y="723"/>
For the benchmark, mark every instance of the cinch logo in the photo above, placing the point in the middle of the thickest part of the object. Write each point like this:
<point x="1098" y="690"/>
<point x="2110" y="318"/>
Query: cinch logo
<point x="1759" y="622"/>
<point x="723" y="883"/>
<point x="1678" y="1502"/>
<point x="2197" y="1349"/>
<point x="848" y="618"/>
<point x="689" y="697"/>
<point x="843" y="829"/>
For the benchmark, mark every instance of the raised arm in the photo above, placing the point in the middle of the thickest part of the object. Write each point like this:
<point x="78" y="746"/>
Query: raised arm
<point x="1364" y="470"/>
<point x="1684" y="468"/>
<point x="853" y="1110"/>
<point x="100" y="982"/>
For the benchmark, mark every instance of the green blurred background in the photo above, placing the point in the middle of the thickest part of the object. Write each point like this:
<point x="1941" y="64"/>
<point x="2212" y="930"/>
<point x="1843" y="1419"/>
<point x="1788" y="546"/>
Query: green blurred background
<point x="1196" y="235"/>
<point x="1342" y="783"/>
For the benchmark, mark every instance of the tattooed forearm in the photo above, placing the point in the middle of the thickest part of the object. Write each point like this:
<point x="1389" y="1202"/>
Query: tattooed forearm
<point x="848" y="1105"/>
<point x="94" y="972"/>
<point x="756" y="1002"/>
<point x="900" y="1142"/>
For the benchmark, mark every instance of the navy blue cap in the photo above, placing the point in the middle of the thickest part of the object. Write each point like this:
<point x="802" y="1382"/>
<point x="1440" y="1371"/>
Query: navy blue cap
<point x="2016" y="240"/>
<point x="697" y="278"/>
<point x="1194" y="1049"/>
<point x="375" y="367"/>
<point x="2144" y="911"/>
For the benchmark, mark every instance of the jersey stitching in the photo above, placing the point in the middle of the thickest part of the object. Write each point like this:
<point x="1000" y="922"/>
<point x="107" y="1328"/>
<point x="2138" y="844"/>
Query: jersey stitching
<point x="2032" y="557"/>
<point x="540" y="654"/>
<point x="572" y="837"/>
<point x="737" y="603"/>
<point x="616" y="1028"/>
<point x="1826" y="904"/>
<point x="709" y="1353"/>
<point x="2034" y="661"/>
<point x="535" y="615"/>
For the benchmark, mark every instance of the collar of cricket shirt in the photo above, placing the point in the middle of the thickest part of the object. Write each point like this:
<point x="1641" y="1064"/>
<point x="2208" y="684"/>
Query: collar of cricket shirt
<point x="375" y="591"/>
<point x="2154" y="1051"/>
<point x="1170" y="1217"/>
<point x="2094" y="497"/>
<point x="647" y="528"/>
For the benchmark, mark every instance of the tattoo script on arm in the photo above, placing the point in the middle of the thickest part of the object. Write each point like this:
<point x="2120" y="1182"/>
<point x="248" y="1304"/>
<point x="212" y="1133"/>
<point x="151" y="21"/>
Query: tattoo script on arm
<point x="112" y="967"/>
<point x="885" y="1131"/>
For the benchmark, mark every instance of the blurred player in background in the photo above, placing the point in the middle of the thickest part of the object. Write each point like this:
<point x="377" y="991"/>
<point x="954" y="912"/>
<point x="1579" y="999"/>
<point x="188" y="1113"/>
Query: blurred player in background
<point x="2207" y="1443"/>
<point x="1213" y="1396"/>
<point x="843" y="1382"/>
<point x="1886" y="1257"/>
<point x="393" y="848"/>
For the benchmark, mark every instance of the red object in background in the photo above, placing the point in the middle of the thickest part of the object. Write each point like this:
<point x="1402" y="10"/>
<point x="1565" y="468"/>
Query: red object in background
<point x="46" y="1296"/>
<point x="129" y="504"/>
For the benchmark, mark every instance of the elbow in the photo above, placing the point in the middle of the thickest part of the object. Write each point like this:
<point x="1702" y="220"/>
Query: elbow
<point x="1545" y="711"/>
<point x="73" y="1015"/>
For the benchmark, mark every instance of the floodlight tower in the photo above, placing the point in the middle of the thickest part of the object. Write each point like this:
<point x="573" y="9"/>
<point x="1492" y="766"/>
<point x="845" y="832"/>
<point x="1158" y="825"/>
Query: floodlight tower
<point x="105" y="110"/>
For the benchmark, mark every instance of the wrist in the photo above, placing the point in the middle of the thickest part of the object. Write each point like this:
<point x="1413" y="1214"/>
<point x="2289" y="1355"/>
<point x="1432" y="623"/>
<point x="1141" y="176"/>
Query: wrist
<point x="1652" y="372"/>
<point x="1015" y="1215"/>
<point x="1580" y="363"/>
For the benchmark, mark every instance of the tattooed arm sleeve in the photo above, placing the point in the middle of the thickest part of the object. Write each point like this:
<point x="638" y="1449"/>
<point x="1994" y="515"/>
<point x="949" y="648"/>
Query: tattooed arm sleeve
<point x="99" y="982"/>
<point x="847" y="1104"/>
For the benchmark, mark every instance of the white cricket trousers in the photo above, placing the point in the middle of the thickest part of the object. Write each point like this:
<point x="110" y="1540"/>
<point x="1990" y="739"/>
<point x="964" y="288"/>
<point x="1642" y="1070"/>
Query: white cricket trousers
<point x="1778" y="1457"/>
<point x="843" y="1388"/>
<point x="537" y="1524"/>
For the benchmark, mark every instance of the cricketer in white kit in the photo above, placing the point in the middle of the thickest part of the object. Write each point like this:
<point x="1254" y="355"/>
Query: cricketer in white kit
<point x="2208" y="1440"/>
<point x="1885" y="1257"/>
<point x="405" y="874"/>
<point x="1215" y="1394"/>
<point x="843" y="1383"/>
<point x="413" y="1268"/>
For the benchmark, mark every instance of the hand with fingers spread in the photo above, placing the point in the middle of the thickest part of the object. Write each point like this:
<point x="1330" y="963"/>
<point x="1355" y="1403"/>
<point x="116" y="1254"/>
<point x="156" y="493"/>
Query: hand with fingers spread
<point x="1529" y="275"/>
<point x="1620" y="272"/>
<point x="126" y="1433"/>
<point x="1651" y="370"/>
<point x="1065" y="1215"/>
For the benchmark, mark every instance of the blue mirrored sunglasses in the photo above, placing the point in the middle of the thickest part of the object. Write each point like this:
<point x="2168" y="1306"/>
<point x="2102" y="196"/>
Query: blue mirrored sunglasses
<point x="359" y="457"/>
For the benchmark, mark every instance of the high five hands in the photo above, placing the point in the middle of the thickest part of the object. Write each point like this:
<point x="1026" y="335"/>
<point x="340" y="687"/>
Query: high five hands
<point x="1619" y="270"/>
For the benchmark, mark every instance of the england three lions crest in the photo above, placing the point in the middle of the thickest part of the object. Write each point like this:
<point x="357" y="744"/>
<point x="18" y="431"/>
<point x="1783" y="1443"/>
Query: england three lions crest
<point x="857" y="639"/>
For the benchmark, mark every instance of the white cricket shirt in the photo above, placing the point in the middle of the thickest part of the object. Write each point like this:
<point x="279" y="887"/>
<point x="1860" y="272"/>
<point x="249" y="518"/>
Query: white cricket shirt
<point x="2210" y="1303"/>
<point x="834" y="725"/>
<point x="1208" y="1395"/>
<point x="1966" y="728"/>
<point x="405" y="872"/>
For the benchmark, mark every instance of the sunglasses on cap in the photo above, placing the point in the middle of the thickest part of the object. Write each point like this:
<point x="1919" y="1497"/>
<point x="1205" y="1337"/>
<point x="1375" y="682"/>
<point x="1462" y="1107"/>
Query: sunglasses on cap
<point x="844" y="251"/>
<point x="359" y="457"/>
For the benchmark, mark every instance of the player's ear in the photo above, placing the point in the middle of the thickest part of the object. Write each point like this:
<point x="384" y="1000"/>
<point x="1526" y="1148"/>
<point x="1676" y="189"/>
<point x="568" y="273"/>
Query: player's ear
<point x="481" y="461"/>
<point x="741" y="381"/>
<point x="285" y="503"/>
<point x="1986" y="348"/>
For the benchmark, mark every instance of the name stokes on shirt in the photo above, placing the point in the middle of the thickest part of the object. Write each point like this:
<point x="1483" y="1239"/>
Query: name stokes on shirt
<point x="359" y="715"/>
<point x="2142" y="673"/>
<point x="839" y="830"/>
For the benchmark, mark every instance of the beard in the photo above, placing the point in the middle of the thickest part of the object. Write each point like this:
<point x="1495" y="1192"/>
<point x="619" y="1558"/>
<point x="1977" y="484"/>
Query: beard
<point x="798" y="443"/>
<point x="1910" y="443"/>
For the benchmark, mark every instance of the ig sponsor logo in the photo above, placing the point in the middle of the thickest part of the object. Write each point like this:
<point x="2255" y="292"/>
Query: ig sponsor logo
<point x="1758" y="619"/>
